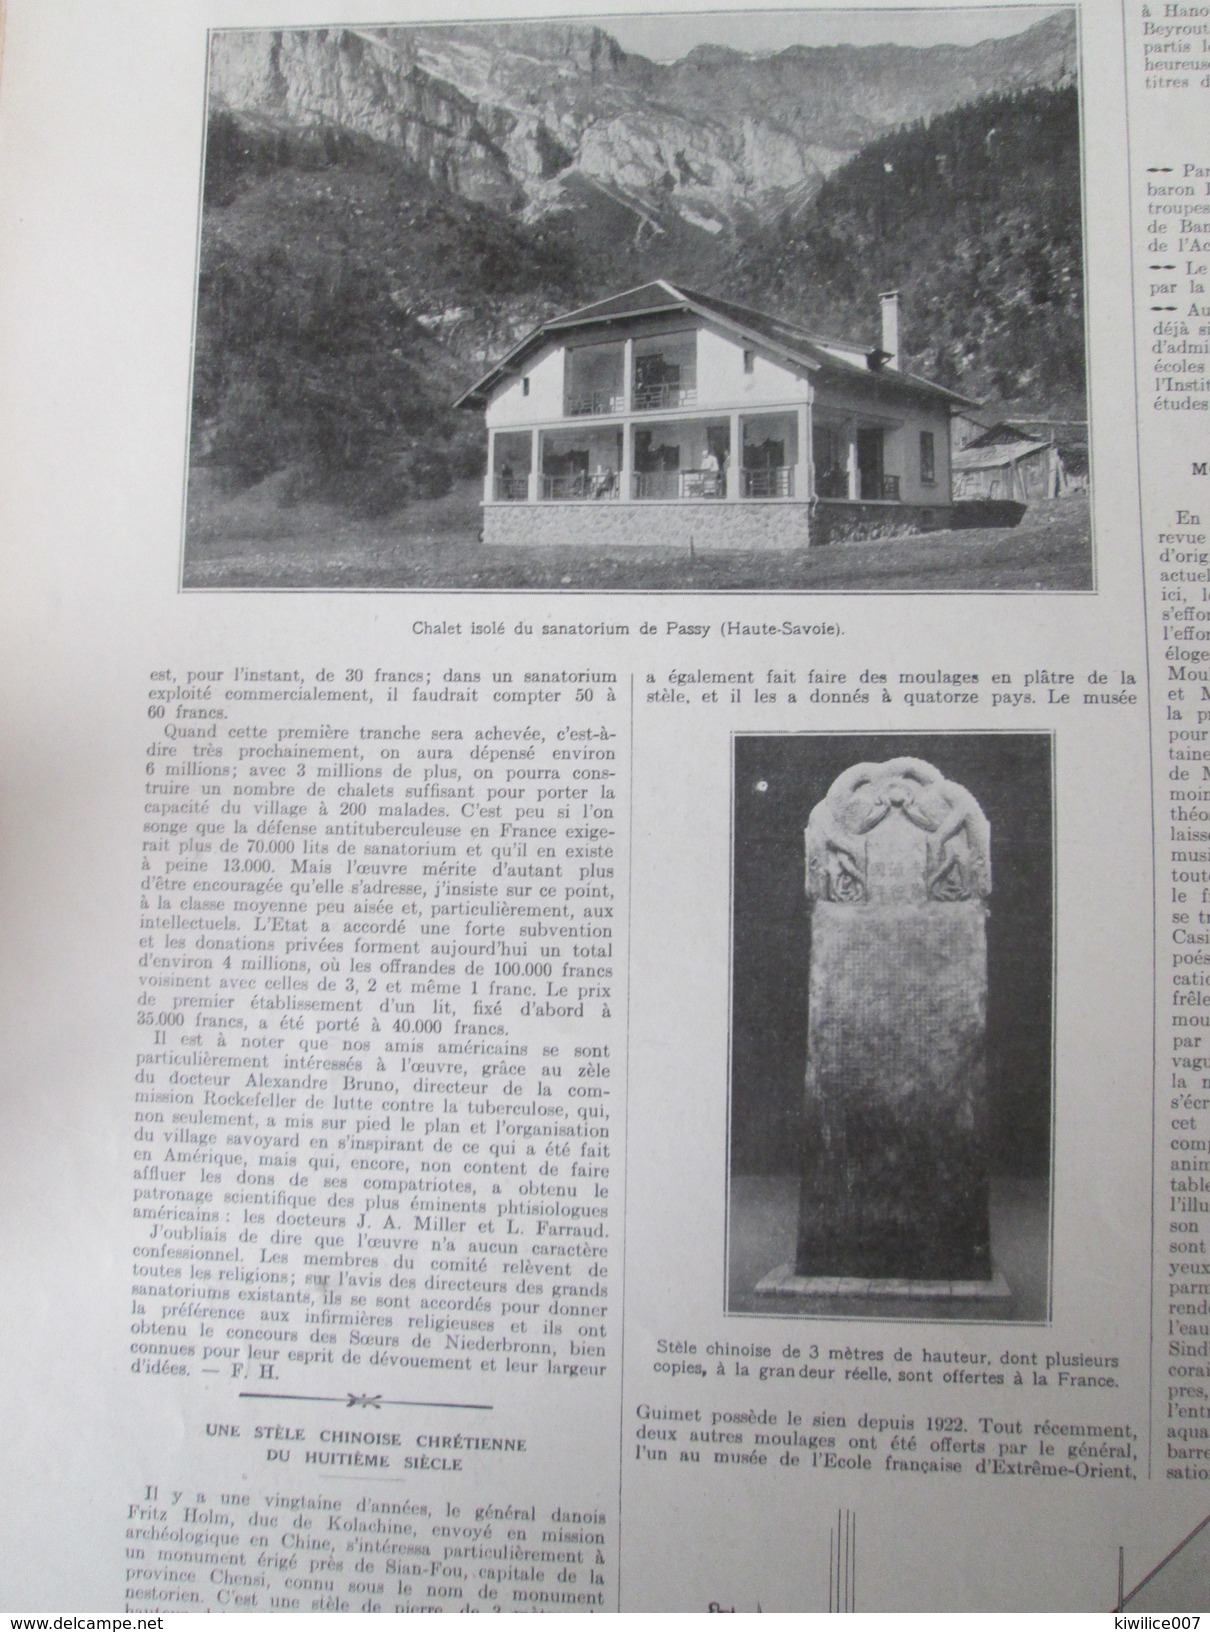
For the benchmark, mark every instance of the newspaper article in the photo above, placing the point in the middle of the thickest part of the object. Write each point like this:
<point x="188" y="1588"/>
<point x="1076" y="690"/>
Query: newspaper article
<point x="607" y="699"/>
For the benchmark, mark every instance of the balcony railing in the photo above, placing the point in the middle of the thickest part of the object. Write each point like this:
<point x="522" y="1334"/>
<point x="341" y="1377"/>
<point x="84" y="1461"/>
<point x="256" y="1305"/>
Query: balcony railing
<point x="878" y="487"/>
<point x="595" y="402"/>
<point x="512" y="488"/>
<point x="680" y="484"/>
<point x="665" y="395"/>
<point x="581" y="485"/>
<point x="770" y="482"/>
<point x="835" y="485"/>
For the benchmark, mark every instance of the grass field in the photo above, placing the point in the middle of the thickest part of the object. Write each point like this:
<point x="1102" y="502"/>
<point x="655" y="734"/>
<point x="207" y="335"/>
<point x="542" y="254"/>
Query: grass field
<point x="250" y="540"/>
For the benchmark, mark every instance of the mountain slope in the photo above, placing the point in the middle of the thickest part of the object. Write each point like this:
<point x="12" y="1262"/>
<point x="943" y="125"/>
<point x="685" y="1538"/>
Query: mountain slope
<point x="975" y="217"/>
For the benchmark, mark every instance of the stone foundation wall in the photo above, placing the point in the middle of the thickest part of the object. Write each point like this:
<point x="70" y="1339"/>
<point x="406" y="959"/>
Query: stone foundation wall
<point x="713" y="525"/>
<point x="845" y="522"/>
<point x="986" y="513"/>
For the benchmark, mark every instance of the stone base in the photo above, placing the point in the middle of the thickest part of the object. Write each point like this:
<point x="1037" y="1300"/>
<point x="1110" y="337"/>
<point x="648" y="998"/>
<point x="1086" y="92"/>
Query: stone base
<point x="853" y="521"/>
<point x="709" y="526"/>
<point x="783" y="1282"/>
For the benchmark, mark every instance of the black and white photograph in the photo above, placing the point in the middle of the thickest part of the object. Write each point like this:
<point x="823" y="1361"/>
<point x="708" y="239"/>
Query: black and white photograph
<point x="891" y="1026"/>
<point x="772" y="301"/>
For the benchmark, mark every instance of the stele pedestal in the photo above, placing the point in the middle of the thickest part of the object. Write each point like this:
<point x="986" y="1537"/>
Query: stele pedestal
<point x="894" y="1198"/>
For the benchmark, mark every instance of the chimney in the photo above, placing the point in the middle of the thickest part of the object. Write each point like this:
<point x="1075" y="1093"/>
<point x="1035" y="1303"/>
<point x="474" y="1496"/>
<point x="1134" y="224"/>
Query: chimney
<point x="890" y="327"/>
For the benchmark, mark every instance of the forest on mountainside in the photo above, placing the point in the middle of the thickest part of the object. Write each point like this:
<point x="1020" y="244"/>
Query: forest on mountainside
<point x="975" y="217"/>
<point x="331" y="279"/>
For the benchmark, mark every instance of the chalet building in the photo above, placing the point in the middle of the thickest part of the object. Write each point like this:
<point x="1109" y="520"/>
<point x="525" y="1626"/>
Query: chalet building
<point x="662" y="416"/>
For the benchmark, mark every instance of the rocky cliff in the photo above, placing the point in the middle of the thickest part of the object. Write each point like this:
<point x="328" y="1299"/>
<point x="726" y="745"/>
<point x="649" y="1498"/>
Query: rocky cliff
<point x="509" y="114"/>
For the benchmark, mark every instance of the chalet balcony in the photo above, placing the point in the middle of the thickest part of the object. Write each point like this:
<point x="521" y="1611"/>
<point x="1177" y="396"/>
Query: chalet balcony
<point x="769" y="482"/>
<point x="581" y="485"/>
<point x="680" y="484"/>
<point x="594" y="380"/>
<point x="834" y="484"/>
<point x="875" y="486"/>
<point x="649" y="395"/>
<point x="831" y="482"/>
<point x="850" y="464"/>
<point x="595" y="402"/>
<point x="665" y="373"/>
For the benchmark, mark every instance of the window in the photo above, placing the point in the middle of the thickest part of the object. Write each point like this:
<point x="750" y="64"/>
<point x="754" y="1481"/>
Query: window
<point x="928" y="459"/>
<point x="749" y="361"/>
<point x="525" y="385"/>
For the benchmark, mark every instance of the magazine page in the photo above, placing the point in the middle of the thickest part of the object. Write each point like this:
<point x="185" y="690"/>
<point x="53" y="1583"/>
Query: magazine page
<point x="605" y="733"/>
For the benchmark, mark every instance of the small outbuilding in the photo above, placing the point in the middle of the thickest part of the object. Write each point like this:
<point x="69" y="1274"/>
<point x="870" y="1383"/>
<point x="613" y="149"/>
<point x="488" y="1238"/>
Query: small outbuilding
<point x="1023" y="462"/>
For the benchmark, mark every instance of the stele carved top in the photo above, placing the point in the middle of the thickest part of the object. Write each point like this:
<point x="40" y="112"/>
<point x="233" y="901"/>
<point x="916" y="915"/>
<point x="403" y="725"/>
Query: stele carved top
<point x="897" y="831"/>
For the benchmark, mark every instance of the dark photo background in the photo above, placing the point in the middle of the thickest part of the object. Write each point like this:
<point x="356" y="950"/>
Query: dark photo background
<point x="778" y="781"/>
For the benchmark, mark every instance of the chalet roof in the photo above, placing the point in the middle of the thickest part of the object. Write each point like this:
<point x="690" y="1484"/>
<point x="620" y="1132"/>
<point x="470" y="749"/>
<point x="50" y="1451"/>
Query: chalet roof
<point x="648" y="297"/>
<point x="1004" y="431"/>
<point x="1022" y="426"/>
<point x="788" y="340"/>
<point x="993" y="455"/>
